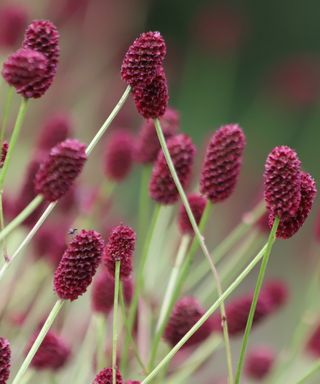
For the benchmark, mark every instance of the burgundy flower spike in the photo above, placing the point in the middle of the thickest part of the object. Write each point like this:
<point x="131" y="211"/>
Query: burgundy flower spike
<point x="78" y="265"/>
<point x="197" y="203"/>
<point x="5" y="358"/>
<point x="56" y="175"/>
<point x="105" y="377"/>
<point x="120" y="247"/>
<point x="222" y="163"/>
<point x="162" y="188"/>
<point x="259" y="363"/>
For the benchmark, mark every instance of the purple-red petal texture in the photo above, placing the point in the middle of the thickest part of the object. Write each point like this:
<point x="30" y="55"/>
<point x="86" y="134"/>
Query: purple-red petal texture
<point x="118" y="157"/>
<point x="105" y="377"/>
<point x="313" y="343"/>
<point x="78" y="265"/>
<point x="13" y="21"/>
<point x="197" y="204"/>
<point x="4" y="151"/>
<point x="57" y="174"/>
<point x="185" y="314"/>
<point x="162" y="188"/>
<point x="120" y="247"/>
<point x="282" y="182"/>
<point x="259" y="363"/>
<point x="222" y="163"/>
<point x="5" y="360"/>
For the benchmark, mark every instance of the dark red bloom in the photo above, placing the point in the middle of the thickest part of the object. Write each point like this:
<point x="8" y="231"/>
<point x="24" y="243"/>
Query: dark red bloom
<point x="24" y="70"/>
<point x="276" y="292"/>
<point x="118" y="156"/>
<point x="317" y="227"/>
<point x="4" y="151"/>
<point x="147" y="145"/>
<point x="259" y="363"/>
<point x="289" y="225"/>
<point x="13" y="21"/>
<point x="54" y="130"/>
<point x="185" y="314"/>
<point x="162" y="187"/>
<point x="105" y="377"/>
<point x="197" y="203"/>
<point x="78" y="265"/>
<point x="5" y="360"/>
<point x="152" y="99"/>
<point x="223" y="159"/>
<point x="282" y="182"/>
<point x="313" y="344"/>
<point x="57" y="174"/>
<point x="143" y="58"/>
<point x="133" y="382"/>
<point x="103" y="292"/>
<point x="53" y="353"/>
<point x="120" y="247"/>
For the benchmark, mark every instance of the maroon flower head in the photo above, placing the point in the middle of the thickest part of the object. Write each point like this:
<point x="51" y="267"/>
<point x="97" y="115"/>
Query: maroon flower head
<point x="25" y="70"/>
<point x="259" y="363"/>
<point x="54" y="130"/>
<point x="13" y="21"/>
<point x="143" y="58"/>
<point x="57" y="174"/>
<point x="289" y="225"/>
<point x="118" y="156"/>
<point x="53" y="353"/>
<point x="147" y="146"/>
<point x="185" y="314"/>
<point x="133" y="382"/>
<point x="105" y="377"/>
<point x="4" y="151"/>
<point x="120" y="247"/>
<point x="317" y="227"/>
<point x="313" y="344"/>
<point x="282" y="182"/>
<point x="162" y="188"/>
<point x="103" y="292"/>
<point x="78" y="265"/>
<point x="5" y="360"/>
<point x="222" y="163"/>
<point x="152" y="99"/>
<point x="276" y="291"/>
<point x="197" y="203"/>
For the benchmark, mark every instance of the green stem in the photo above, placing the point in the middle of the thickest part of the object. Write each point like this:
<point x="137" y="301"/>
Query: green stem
<point x="4" y="247"/>
<point x="206" y="316"/>
<point x="139" y="285"/>
<point x="6" y="112"/>
<point x="315" y="369"/>
<point x="47" y="325"/>
<point x="28" y="376"/>
<point x="115" y="321"/>
<point x="144" y="205"/>
<point x="259" y="283"/>
<point x="21" y="217"/>
<point x="13" y="140"/>
<point x="201" y="241"/>
<point x="101" y="338"/>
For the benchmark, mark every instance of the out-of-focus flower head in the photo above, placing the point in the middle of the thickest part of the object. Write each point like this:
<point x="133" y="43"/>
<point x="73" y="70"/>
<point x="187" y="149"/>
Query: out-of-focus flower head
<point x="13" y="21"/>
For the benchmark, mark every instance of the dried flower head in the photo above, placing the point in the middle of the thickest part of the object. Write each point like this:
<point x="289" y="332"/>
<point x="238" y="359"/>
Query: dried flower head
<point x="143" y="58"/>
<point x="162" y="188"/>
<point x="197" y="204"/>
<point x="13" y="21"/>
<point x="103" y="292"/>
<point x="5" y="360"/>
<point x="4" y="151"/>
<point x="313" y="343"/>
<point x="221" y="168"/>
<point x="78" y="265"/>
<point x="259" y="363"/>
<point x="290" y="225"/>
<point x="53" y="353"/>
<point x="282" y="182"/>
<point x="57" y="174"/>
<point x="147" y="145"/>
<point x="118" y="155"/>
<point x="120" y="247"/>
<point x="105" y="377"/>
<point x="185" y="314"/>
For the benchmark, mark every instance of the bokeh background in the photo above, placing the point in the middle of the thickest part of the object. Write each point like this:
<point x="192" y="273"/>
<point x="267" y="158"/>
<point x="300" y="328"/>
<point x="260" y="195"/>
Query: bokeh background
<point x="256" y="63"/>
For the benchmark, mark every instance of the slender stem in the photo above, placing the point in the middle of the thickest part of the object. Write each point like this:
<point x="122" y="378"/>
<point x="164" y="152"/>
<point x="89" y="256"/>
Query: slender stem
<point x="101" y="338"/>
<point x="13" y="140"/>
<point x="21" y="216"/>
<point x="259" y="283"/>
<point x="201" y="242"/>
<point x="47" y="325"/>
<point x="4" y="247"/>
<point x="206" y="316"/>
<point x="6" y="111"/>
<point x="144" y="200"/>
<point x="315" y="369"/>
<point x="28" y="376"/>
<point x="115" y="321"/>
<point x="109" y="120"/>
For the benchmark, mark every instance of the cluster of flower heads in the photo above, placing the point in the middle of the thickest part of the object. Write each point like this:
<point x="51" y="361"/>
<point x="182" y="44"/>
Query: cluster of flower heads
<point x="32" y="68"/>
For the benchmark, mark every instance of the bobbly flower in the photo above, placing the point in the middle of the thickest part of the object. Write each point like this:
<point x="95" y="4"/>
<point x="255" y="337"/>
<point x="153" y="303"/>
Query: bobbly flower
<point x="5" y="360"/>
<point x="78" y="265"/>
<point x="13" y="21"/>
<point x="259" y="363"/>
<point x="120" y="247"/>
<point x="313" y="343"/>
<point x="222" y="163"/>
<point x="4" y="151"/>
<point x="185" y="314"/>
<point x="58" y="172"/>
<point x="105" y="377"/>
<point x="197" y="204"/>
<point x="162" y="188"/>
